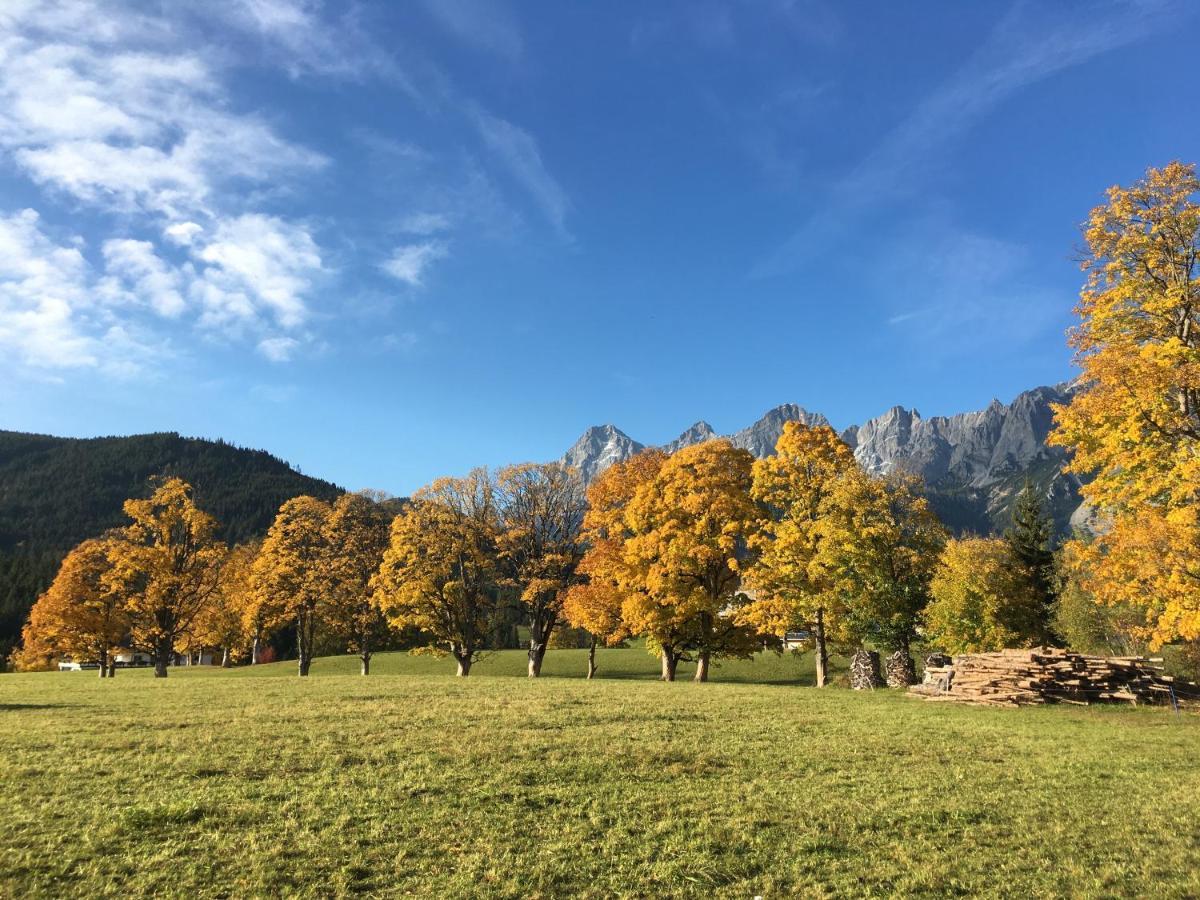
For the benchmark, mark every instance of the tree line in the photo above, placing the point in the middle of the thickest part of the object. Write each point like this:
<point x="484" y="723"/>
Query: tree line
<point x="708" y="553"/>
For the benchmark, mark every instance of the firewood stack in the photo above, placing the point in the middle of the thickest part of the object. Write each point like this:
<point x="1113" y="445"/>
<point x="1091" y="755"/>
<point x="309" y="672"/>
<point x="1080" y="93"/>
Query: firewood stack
<point x="1045" y="675"/>
<point x="901" y="672"/>
<point x="864" y="671"/>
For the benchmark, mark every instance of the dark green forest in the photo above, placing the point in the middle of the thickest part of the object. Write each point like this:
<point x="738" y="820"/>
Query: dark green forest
<point x="55" y="492"/>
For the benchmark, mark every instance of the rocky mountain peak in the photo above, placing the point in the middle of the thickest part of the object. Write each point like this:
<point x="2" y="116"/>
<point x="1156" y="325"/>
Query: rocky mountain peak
<point x="696" y="434"/>
<point x="761" y="437"/>
<point x="973" y="463"/>
<point x="600" y="447"/>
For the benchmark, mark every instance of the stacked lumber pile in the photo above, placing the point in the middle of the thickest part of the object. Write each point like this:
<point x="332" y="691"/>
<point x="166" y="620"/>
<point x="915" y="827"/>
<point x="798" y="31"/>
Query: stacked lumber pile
<point x="1045" y="675"/>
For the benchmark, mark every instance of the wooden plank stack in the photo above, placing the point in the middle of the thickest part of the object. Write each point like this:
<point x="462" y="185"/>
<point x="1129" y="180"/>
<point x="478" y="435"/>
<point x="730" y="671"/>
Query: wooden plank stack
<point x="1045" y="675"/>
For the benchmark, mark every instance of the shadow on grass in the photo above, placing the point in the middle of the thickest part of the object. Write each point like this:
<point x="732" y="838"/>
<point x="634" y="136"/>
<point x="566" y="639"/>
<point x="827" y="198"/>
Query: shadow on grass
<point x="14" y="707"/>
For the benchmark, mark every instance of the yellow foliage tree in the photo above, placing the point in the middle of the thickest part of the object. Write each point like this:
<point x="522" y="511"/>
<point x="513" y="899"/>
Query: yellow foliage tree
<point x="878" y="543"/>
<point x="291" y="571"/>
<point x="982" y="600"/>
<point x="1134" y="424"/>
<point x="168" y="563"/>
<point x="439" y="571"/>
<point x="262" y="613"/>
<point x="356" y="534"/>
<point x="541" y="508"/>
<point x="790" y="592"/>
<point x="82" y="614"/>
<point x="596" y="604"/>
<point x="691" y="526"/>
<point x="222" y="623"/>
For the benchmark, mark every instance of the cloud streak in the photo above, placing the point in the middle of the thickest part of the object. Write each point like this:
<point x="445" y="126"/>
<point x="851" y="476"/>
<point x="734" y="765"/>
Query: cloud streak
<point x="1031" y="43"/>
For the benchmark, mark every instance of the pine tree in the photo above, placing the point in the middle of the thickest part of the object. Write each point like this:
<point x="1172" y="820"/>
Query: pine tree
<point x="1029" y="541"/>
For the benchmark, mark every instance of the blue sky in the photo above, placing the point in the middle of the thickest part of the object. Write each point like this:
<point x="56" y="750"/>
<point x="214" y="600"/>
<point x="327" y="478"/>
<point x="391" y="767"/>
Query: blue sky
<point x="389" y="241"/>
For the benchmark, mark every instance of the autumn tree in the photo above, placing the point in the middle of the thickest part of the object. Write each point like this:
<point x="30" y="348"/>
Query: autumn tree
<point x="168" y="563"/>
<point x="878" y="543"/>
<point x="291" y="571"/>
<point x="791" y="592"/>
<point x="82" y="614"/>
<point x="222" y="623"/>
<point x="439" y="572"/>
<point x="356" y="535"/>
<point x="1111" y="628"/>
<point x="982" y="599"/>
<point x="596" y="604"/>
<point x="691" y="526"/>
<point x="1134" y="422"/>
<point x="541" y="508"/>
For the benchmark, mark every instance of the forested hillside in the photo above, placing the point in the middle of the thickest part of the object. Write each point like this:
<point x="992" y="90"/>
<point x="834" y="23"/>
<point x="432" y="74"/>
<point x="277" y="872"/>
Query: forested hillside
<point x="54" y="492"/>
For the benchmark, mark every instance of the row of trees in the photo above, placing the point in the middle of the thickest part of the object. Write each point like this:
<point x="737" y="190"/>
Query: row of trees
<point x="452" y="566"/>
<point x="707" y="552"/>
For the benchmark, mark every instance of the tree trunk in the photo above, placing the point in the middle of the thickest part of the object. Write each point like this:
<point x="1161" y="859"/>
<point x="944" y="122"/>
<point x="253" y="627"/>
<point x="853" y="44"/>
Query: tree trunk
<point x="464" y="666"/>
<point x="592" y="659"/>
<point x="225" y="662"/>
<point x="162" y="655"/>
<point x="366" y="663"/>
<point x="103" y="663"/>
<point x="702" y="666"/>
<point x="821" y="651"/>
<point x="304" y="640"/>
<point x="670" y="660"/>
<point x="112" y="667"/>
<point x="537" y="652"/>
<point x="254" y="652"/>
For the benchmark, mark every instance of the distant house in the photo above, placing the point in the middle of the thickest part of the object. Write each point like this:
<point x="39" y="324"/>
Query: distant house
<point x="796" y="640"/>
<point x="135" y="659"/>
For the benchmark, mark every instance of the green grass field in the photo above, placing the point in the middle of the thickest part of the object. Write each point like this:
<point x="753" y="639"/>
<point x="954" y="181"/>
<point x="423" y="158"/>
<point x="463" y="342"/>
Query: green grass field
<point x="235" y="783"/>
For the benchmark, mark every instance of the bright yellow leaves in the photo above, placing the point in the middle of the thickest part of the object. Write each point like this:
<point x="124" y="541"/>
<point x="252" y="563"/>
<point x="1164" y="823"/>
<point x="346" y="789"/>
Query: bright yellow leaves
<point x="792" y="590"/>
<point x="439" y="572"/>
<point x="1135" y="423"/>
<point x="982" y="600"/>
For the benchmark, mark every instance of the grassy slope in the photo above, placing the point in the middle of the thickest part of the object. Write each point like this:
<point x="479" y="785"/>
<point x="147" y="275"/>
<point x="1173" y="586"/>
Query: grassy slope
<point x="233" y="784"/>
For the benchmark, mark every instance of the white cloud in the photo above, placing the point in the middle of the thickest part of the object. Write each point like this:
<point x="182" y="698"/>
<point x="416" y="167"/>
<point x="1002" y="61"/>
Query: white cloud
<point x="182" y="233"/>
<point x="409" y="263"/>
<point x="136" y="270"/>
<point x="143" y="127"/>
<point x="49" y="319"/>
<point x="41" y="286"/>
<point x="257" y="265"/>
<point x="278" y="349"/>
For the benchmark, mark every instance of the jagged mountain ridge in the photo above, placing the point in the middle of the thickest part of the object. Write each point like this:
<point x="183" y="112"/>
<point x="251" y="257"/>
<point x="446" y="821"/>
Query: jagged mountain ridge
<point x="973" y="463"/>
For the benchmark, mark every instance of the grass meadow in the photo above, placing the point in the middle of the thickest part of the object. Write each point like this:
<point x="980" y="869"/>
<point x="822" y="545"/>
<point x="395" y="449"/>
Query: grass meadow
<point x="247" y="783"/>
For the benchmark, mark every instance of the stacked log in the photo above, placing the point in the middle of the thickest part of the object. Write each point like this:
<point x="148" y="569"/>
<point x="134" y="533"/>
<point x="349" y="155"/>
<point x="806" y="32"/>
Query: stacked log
<point x="1045" y="675"/>
<point x="901" y="672"/>
<point x="864" y="671"/>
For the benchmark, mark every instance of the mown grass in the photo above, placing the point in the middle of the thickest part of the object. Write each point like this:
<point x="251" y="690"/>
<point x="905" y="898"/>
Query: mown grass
<point x="236" y="784"/>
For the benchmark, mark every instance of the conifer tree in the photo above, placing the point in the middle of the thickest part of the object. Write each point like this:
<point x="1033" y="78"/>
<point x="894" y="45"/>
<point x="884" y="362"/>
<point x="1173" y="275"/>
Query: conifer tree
<point x="1029" y="543"/>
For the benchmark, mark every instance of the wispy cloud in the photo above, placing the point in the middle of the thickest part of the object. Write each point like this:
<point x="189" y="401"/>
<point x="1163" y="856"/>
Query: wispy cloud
<point x="518" y="151"/>
<point x="959" y="290"/>
<point x="425" y="223"/>
<point x="488" y="24"/>
<point x="1031" y="43"/>
<point x="409" y="263"/>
